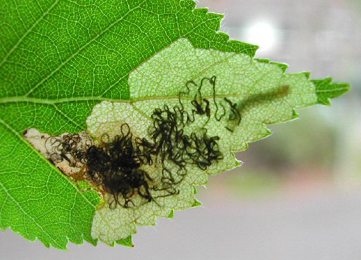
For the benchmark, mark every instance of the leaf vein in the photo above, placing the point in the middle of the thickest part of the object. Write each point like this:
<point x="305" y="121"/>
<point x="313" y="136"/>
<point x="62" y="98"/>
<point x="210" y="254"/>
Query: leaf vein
<point x="27" y="33"/>
<point x="80" y="50"/>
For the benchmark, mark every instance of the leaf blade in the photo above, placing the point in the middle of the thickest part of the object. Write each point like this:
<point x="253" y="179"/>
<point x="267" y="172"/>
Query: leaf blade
<point x="58" y="60"/>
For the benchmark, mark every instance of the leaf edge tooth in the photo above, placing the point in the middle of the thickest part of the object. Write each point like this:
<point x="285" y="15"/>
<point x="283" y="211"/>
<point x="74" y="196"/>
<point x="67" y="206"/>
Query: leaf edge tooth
<point x="247" y="48"/>
<point x="196" y="204"/>
<point x="36" y="238"/>
<point x="127" y="242"/>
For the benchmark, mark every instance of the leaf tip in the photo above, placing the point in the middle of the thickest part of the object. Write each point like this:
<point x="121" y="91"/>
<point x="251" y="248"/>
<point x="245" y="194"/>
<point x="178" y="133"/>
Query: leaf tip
<point x="326" y="90"/>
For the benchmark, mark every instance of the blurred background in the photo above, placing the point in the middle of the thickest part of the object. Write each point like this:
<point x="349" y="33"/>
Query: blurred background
<point x="298" y="194"/>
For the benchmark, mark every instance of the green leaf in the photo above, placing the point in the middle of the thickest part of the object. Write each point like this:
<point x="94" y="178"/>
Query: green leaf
<point x="326" y="90"/>
<point x="128" y="242"/>
<point x="64" y="65"/>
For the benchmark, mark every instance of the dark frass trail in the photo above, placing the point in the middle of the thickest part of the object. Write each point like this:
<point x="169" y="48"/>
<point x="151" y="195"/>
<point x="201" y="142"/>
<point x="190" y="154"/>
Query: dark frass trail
<point x="115" y="166"/>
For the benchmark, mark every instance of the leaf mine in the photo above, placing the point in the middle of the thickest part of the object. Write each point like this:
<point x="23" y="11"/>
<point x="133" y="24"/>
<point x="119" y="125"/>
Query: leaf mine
<point x="189" y="96"/>
<point x="183" y="123"/>
<point x="194" y="84"/>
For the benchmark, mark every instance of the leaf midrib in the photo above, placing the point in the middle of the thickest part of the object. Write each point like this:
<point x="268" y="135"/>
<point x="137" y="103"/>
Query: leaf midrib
<point x="24" y="99"/>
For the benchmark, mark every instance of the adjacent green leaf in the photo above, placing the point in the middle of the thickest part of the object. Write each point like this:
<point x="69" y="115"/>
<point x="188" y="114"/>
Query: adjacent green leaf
<point x="61" y="60"/>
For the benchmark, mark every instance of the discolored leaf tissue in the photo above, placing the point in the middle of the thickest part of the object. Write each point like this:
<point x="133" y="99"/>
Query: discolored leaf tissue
<point x="113" y="112"/>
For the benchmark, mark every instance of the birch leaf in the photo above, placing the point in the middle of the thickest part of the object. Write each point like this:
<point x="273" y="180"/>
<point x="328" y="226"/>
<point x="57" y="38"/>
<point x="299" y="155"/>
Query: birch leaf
<point x="70" y="67"/>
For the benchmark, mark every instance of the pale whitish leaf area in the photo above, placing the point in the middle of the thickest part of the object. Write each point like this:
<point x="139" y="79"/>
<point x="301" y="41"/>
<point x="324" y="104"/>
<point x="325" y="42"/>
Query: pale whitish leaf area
<point x="159" y="81"/>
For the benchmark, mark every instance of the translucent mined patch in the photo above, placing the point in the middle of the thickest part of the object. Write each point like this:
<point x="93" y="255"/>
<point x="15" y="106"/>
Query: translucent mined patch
<point x="261" y="91"/>
<point x="49" y="147"/>
<point x="239" y="78"/>
<point x="115" y="224"/>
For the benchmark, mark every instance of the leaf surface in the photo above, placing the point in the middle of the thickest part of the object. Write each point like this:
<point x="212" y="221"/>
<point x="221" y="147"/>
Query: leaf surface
<point x="60" y="59"/>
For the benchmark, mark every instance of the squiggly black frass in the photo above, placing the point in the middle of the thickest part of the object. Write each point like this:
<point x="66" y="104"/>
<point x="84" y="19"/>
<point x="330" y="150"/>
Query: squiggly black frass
<point x="116" y="165"/>
<point x="170" y="142"/>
